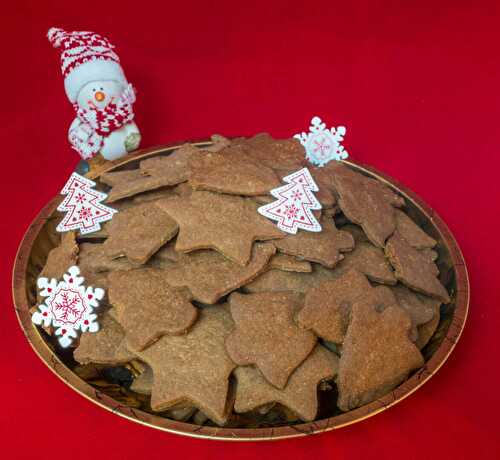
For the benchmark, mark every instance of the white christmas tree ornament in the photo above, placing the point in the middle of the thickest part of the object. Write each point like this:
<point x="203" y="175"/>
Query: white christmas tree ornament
<point x="83" y="207"/>
<point x="294" y="205"/>
<point x="68" y="306"/>
<point x="323" y="145"/>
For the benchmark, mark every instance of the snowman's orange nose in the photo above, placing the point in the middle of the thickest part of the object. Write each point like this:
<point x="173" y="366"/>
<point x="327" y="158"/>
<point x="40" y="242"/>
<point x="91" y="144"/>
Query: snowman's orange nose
<point x="99" y="96"/>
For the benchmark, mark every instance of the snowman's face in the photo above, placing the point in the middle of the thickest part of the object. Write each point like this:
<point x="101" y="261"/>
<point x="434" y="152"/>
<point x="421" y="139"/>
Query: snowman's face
<point x="99" y="93"/>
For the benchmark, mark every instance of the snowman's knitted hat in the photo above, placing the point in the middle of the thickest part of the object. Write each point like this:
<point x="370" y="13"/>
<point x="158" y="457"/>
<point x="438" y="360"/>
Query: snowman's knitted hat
<point x="86" y="57"/>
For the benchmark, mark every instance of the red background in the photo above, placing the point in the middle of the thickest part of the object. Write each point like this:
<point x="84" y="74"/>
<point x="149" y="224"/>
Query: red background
<point x="416" y="84"/>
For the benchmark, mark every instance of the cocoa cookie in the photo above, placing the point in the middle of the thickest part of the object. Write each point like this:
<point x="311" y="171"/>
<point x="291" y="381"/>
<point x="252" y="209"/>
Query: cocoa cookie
<point x="209" y="275"/>
<point x="327" y="306"/>
<point x="279" y="281"/>
<point x="266" y="335"/>
<point x="324" y="247"/>
<point x="290" y="264"/>
<point x="377" y="355"/>
<point x="138" y="233"/>
<point x="357" y="233"/>
<point x="370" y="261"/>
<point x="414" y="269"/>
<point x="300" y="394"/>
<point x="227" y="172"/>
<point x="419" y="310"/>
<point x="228" y="224"/>
<point x="201" y="377"/>
<point x="147" y="307"/>
<point x="106" y="346"/>
<point x="367" y="202"/>
<point x="412" y="233"/>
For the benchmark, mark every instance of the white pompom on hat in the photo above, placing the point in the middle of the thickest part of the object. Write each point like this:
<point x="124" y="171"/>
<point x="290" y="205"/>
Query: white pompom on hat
<point x="86" y="57"/>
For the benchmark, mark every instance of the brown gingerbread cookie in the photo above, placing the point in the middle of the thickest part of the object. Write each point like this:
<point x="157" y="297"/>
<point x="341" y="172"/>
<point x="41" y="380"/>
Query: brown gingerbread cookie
<point x="147" y="307"/>
<point x="143" y="383"/>
<point x="194" y="368"/>
<point x="414" y="269"/>
<point x="209" y="275"/>
<point x="114" y="178"/>
<point x="290" y="264"/>
<point x="228" y="224"/>
<point x="106" y="346"/>
<point x="174" y="167"/>
<point x="138" y="233"/>
<point x="93" y="258"/>
<point x="61" y="257"/>
<point x="367" y="202"/>
<point x="300" y="394"/>
<point x="324" y="247"/>
<point x="427" y="330"/>
<point x="419" y="310"/>
<point x="266" y="335"/>
<point x="377" y="354"/>
<point x="412" y="233"/>
<point x="275" y="280"/>
<point x="281" y="154"/>
<point x="327" y="306"/>
<point x="370" y="261"/>
<point x="230" y="172"/>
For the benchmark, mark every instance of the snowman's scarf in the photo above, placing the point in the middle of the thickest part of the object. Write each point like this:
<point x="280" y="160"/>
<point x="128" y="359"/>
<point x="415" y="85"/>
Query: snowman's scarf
<point x="113" y="116"/>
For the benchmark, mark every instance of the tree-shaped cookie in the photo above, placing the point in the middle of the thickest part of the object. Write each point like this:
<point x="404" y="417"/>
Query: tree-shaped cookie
<point x="367" y="202"/>
<point x="147" y="307"/>
<point x="194" y="368"/>
<point x="377" y="354"/>
<point x="266" y="335"/>
<point x="414" y="268"/>
<point x="228" y="224"/>
<point x="299" y="395"/>
<point x="325" y="247"/>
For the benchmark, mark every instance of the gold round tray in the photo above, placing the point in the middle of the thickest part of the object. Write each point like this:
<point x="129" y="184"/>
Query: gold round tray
<point x="38" y="241"/>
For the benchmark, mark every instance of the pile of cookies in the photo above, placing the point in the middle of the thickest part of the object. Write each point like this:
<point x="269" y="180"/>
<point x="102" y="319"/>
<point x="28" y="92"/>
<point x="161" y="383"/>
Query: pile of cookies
<point x="223" y="316"/>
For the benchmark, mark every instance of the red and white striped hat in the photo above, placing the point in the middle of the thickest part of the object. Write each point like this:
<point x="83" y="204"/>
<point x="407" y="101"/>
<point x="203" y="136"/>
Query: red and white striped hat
<point x="86" y="57"/>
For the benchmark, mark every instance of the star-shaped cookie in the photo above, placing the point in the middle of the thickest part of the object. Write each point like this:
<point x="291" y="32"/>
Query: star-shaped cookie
<point x="367" y="202"/>
<point x="194" y="368"/>
<point x="147" y="307"/>
<point x="138" y="232"/>
<point x="324" y="247"/>
<point x="209" y="275"/>
<point x="414" y="268"/>
<point x="377" y="355"/>
<point x="299" y="395"/>
<point x="266" y="335"/>
<point x="228" y="224"/>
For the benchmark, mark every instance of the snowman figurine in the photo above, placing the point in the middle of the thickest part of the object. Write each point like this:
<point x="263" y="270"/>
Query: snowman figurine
<point x="101" y="95"/>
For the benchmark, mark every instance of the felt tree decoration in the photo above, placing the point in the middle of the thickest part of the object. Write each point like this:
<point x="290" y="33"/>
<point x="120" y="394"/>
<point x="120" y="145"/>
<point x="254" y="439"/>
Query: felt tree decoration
<point x="295" y="203"/>
<point x="83" y="207"/>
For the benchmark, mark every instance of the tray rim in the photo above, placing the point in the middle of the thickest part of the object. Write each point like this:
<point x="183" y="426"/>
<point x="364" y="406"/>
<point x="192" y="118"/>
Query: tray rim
<point x="440" y="356"/>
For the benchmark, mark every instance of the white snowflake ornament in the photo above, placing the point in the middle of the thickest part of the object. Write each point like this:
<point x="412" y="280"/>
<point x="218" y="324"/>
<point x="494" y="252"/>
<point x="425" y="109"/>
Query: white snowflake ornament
<point x="68" y="306"/>
<point x="296" y="200"/>
<point x="83" y="207"/>
<point x="321" y="144"/>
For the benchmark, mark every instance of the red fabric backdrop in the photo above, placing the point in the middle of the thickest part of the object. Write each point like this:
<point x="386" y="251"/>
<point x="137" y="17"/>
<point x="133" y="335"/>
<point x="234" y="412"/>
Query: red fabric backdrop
<point x="416" y="83"/>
